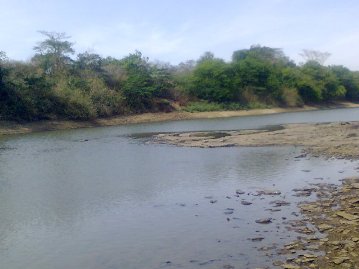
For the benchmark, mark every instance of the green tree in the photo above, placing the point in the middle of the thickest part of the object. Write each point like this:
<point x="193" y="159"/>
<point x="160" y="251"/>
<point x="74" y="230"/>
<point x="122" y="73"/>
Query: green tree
<point x="212" y="80"/>
<point x="144" y="82"/>
<point x="319" y="83"/>
<point x="348" y="80"/>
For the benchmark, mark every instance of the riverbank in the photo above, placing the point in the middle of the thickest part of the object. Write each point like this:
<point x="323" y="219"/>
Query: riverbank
<point x="9" y="128"/>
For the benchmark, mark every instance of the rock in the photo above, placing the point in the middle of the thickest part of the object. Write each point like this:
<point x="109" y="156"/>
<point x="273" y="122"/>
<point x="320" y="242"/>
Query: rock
<point x="346" y="216"/>
<point x="240" y="192"/>
<point x="324" y="227"/>
<point x="277" y="263"/>
<point x="309" y="208"/>
<point x="304" y="189"/>
<point x="246" y="203"/>
<point x="256" y="239"/>
<point x="290" y="266"/>
<point x="269" y="192"/>
<point x="340" y="260"/>
<point x="354" y="185"/>
<point x="274" y="209"/>
<point x="354" y="201"/>
<point x="301" y="156"/>
<point x="229" y="211"/>
<point x="278" y="203"/>
<point x="264" y="221"/>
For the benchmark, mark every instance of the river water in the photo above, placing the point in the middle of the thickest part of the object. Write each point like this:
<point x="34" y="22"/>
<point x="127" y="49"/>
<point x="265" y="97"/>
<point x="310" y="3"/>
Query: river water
<point x="101" y="198"/>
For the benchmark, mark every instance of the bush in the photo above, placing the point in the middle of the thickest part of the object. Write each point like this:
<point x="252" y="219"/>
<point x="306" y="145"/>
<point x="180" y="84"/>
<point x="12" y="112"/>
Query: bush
<point x="291" y="98"/>
<point x="309" y="92"/>
<point x="73" y="103"/>
<point x="202" y="107"/>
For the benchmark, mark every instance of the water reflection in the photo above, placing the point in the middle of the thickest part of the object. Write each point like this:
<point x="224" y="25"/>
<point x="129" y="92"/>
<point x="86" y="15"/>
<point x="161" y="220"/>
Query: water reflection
<point x="94" y="198"/>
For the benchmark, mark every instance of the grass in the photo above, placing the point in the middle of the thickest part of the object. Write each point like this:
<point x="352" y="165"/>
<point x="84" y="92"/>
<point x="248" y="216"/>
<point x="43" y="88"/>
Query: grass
<point x="204" y="106"/>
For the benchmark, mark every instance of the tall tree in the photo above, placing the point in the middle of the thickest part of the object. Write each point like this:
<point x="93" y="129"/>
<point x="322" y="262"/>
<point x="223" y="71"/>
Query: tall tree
<point x="54" y="52"/>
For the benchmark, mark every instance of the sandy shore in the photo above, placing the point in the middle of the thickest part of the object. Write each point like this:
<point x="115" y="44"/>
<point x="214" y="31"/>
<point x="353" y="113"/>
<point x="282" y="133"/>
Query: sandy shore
<point x="8" y="128"/>
<point x="339" y="140"/>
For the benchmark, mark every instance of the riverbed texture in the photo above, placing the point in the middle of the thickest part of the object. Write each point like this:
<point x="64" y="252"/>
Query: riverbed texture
<point x="340" y="140"/>
<point x="335" y="213"/>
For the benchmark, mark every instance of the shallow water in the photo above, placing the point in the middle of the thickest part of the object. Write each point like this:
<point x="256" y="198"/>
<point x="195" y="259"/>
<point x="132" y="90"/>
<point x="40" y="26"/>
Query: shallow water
<point x="96" y="198"/>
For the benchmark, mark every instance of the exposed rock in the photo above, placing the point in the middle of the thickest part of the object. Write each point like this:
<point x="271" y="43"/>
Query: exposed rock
<point x="324" y="227"/>
<point x="290" y="266"/>
<point x="347" y="216"/>
<point x="256" y="239"/>
<point x="246" y="203"/>
<point x="269" y="192"/>
<point x="279" y="203"/>
<point x="264" y="221"/>
<point x="240" y="192"/>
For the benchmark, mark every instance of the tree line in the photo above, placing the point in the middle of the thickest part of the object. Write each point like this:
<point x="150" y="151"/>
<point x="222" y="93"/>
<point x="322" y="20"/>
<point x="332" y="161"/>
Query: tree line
<point x="54" y="84"/>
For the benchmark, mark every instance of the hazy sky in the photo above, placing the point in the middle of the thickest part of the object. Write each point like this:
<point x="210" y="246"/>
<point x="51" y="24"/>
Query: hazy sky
<point x="180" y="30"/>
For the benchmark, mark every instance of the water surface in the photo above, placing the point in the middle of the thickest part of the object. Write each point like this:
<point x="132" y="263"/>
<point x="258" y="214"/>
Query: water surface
<point x="98" y="198"/>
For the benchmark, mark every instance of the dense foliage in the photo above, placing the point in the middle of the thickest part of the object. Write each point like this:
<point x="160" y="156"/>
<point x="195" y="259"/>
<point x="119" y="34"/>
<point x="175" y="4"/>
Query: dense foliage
<point x="56" y="85"/>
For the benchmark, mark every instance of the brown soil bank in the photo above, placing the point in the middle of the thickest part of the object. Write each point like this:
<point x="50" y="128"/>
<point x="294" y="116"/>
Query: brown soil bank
<point x="8" y="128"/>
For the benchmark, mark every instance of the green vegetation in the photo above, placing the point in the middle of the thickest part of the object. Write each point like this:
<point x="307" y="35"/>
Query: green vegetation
<point x="203" y="106"/>
<point x="55" y="84"/>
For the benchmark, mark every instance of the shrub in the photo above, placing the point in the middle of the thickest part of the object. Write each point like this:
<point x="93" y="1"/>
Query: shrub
<point x="291" y="98"/>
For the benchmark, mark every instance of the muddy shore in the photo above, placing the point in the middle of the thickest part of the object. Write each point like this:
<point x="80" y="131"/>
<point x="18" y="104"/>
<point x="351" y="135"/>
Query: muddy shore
<point x="9" y="128"/>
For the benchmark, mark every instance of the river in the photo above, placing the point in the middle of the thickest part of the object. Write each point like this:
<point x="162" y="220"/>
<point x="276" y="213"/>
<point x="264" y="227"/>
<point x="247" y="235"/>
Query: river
<point x="105" y="198"/>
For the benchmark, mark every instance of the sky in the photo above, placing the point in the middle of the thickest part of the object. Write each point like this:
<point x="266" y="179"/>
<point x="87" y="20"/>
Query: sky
<point x="175" y="31"/>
